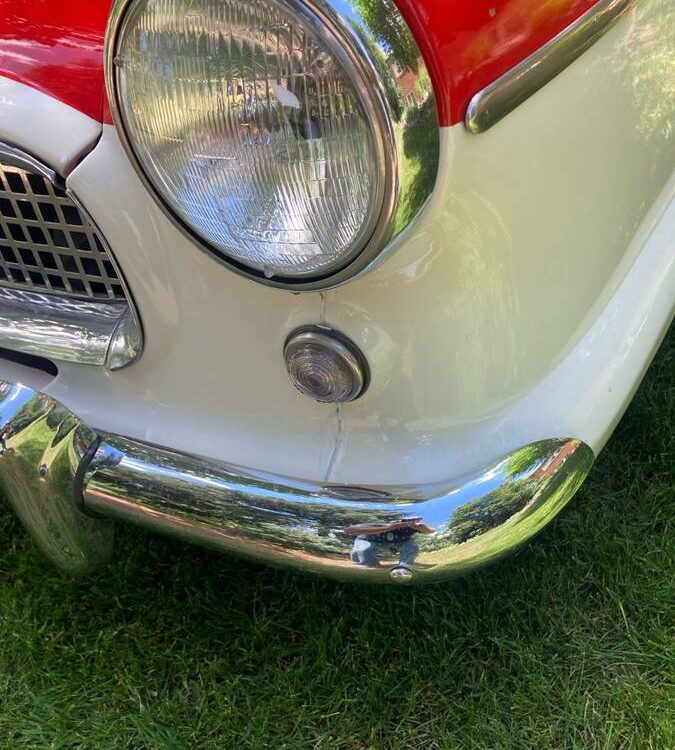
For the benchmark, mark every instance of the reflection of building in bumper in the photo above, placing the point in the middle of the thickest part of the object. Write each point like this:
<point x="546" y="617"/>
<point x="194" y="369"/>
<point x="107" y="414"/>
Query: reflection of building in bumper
<point x="372" y="540"/>
<point x="413" y="88"/>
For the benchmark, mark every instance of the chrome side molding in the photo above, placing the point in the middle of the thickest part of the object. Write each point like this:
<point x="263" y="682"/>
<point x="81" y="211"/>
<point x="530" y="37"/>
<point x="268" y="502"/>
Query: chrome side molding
<point x="495" y="101"/>
<point x="372" y="534"/>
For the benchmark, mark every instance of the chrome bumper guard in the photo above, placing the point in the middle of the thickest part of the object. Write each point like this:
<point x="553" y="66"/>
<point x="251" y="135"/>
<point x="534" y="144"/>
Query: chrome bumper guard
<point x="66" y="483"/>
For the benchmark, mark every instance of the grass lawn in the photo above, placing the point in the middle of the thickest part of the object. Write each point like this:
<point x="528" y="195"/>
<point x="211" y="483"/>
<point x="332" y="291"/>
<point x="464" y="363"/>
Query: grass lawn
<point x="569" y="644"/>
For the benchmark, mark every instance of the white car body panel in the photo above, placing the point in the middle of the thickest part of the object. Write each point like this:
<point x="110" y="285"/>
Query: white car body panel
<point x="525" y="303"/>
<point x="53" y="132"/>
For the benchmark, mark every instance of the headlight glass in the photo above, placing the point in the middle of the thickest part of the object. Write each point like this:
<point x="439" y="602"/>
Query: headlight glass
<point x="262" y="127"/>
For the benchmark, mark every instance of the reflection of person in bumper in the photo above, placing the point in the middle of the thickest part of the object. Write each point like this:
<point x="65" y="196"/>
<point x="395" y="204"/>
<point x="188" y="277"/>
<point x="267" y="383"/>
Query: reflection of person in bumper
<point x="4" y="434"/>
<point x="371" y="539"/>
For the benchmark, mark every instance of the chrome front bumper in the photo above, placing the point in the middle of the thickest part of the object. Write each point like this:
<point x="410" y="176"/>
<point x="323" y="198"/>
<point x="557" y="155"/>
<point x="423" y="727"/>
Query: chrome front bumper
<point x="67" y="482"/>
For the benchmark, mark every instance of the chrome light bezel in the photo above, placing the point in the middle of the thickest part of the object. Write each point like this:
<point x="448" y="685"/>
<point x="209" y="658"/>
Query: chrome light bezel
<point x="330" y="24"/>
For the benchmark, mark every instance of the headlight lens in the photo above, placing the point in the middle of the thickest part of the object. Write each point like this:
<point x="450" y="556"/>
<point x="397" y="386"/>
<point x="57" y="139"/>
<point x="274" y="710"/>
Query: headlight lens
<point x="263" y="128"/>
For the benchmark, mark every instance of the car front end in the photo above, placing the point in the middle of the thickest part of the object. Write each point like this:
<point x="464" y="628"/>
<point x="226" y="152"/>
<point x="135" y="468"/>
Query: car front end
<point x="353" y="287"/>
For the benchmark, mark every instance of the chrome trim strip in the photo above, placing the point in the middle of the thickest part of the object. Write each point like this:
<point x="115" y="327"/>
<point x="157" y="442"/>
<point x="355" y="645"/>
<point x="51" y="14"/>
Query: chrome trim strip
<point x="64" y="329"/>
<point x="378" y="534"/>
<point x="495" y="101"/>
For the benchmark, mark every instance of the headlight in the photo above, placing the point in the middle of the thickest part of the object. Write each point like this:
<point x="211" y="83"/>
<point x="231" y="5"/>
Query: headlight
<point x="272" y="130"/>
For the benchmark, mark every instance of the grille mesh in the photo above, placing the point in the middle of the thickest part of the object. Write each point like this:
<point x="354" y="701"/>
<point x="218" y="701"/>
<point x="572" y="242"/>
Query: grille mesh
<point x="47" y="243"/>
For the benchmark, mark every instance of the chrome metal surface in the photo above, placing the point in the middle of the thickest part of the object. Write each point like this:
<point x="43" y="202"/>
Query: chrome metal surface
<point x="61" y="294"/>
<point x="68" y="330"/>
<point x="325" y="365"/>
<point x="510" y="90"/>
<point x="47" y="243"/>
<point x="126" y="341"/>
<point x="42" y="446"/>
<point x="52" y="468"/>
<point x="380" y="534"/>
<point x="408" y="155"/>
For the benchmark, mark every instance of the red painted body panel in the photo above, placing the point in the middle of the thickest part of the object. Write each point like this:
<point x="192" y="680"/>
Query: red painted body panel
<point x="467" y="44"/>
<point x="57" y="45"/>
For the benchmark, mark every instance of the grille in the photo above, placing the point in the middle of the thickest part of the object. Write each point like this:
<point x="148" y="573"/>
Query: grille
<point x="47" y="243"/>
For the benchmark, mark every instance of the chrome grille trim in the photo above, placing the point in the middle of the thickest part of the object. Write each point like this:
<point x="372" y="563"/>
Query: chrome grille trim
<point x="57" y="327"/>
<point x="62" y="295"/>
<point x="47" y="242"/>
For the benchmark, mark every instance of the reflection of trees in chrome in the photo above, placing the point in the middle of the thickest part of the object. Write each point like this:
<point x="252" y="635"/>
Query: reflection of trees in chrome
<point x="393" y="51"/>
<point x="31" y="411"/>
<point x="528" y="471"/>
<point x="421" y="147"/>
<point x="526" y="458"/>
<point x="388" y="27"/>
<point x="488" y="512"/>
<point x="221" y="500"/>
<point x="380" y="62"/>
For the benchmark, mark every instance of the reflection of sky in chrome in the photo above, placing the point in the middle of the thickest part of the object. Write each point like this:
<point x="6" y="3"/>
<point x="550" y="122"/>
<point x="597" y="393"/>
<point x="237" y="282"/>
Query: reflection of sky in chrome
<point x="17" y="398"/>
<point x="438" y="512"/>
<point x="350" y="14"/>
<point x="344" y="8"/>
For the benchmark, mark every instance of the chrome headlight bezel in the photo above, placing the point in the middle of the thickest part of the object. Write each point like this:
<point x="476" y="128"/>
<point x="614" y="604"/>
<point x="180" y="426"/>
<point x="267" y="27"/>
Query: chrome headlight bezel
<point x="394" y="210"/>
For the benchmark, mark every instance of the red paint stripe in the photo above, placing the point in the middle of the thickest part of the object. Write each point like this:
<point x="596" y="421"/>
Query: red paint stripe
<point x="56" y="46"/>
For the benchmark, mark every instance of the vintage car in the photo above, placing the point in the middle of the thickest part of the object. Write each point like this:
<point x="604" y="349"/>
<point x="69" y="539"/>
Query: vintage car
<point x="359" y="287"/>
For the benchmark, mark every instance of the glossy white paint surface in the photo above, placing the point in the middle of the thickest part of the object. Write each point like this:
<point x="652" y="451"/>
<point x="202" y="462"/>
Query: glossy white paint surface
<point x="525" y="303"/>
<point x="211" y="379"/>
<point x="584" y="395"/>
<point x="53" y="132"/>
<point x="516" y="254"/>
